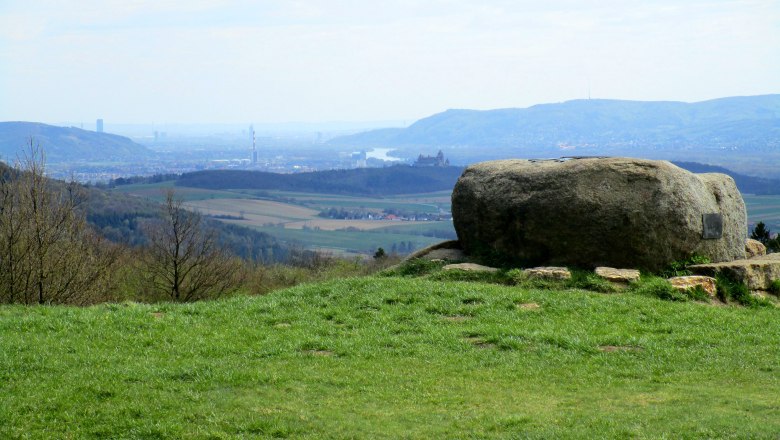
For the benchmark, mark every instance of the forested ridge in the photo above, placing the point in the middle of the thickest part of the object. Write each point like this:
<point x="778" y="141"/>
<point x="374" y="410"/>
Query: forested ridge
<point x="399" y="179"/>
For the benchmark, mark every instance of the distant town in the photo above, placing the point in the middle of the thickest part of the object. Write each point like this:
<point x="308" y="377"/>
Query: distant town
<point x="245" y="149"/>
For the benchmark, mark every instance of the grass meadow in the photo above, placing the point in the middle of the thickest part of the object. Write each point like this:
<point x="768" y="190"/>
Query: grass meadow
<point x="392" y="357"/>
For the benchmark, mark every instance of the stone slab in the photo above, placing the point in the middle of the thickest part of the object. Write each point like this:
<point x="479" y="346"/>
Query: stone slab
<point x="757" y="272"/>
<point x="470" y="267"/>
<point x="692" y="281"/>
<point x="618" y="275"/>
<point x="548" y="273"/>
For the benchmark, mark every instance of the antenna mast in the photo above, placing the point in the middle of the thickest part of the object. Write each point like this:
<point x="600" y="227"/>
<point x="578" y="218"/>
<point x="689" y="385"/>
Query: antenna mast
<point x="254" y="146"/>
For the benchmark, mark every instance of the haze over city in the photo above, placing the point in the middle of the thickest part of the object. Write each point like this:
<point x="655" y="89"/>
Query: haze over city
<point x="310" y="60"/>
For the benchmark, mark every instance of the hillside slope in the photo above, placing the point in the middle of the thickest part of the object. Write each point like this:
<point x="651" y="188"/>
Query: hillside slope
<point x="736" y="122"/>
<point x="69" y="144"/>
<point x="392" y="358"/>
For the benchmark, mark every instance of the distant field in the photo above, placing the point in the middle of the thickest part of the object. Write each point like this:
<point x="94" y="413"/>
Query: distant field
<point x="765" y="209"/>
<point x="292" y="216"/>
<point x="156" y="192"/>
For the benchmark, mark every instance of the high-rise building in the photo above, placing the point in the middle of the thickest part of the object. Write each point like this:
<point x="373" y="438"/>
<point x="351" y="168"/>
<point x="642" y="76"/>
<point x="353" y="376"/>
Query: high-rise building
<point x="99" y="126"/>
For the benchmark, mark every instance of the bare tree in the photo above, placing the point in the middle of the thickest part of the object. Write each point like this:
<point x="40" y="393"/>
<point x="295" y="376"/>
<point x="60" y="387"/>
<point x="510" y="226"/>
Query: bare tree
<point x="183" y="260"/>
<point x="48" y="253"/>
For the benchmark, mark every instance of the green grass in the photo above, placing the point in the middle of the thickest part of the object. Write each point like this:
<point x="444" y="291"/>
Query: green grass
<point x="392" y="358"/>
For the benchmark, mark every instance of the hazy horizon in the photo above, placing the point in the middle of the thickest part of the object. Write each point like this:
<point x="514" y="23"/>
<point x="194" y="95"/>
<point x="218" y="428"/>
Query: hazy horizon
<point x="317" y="62"/>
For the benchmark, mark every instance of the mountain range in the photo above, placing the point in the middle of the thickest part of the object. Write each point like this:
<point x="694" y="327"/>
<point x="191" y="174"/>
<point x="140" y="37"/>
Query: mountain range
<point x="593" y="125"/>
<point x="66" y="144"/>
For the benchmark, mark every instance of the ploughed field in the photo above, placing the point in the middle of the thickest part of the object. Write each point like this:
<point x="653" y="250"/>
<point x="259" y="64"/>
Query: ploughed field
<point x="393" y="357"/>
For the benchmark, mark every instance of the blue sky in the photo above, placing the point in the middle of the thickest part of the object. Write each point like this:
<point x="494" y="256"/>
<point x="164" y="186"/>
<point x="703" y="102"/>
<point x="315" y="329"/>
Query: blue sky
<point x="311" y="60"/>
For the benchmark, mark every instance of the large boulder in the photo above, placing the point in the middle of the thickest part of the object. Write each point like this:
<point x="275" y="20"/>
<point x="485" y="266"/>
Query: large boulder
<point x="590" y="212"/>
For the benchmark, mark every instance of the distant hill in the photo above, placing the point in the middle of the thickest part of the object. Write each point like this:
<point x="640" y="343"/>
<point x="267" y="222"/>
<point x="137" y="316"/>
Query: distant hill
<point x="727" y="123"/>
<point x="399" y="179"/>
<point x="746" y="184"/>
<point x="67" y="143"/>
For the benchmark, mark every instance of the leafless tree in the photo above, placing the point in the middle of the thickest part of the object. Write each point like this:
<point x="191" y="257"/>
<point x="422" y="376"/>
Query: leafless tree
<point x="48" y="252"/>
<point x="183" y="260"/>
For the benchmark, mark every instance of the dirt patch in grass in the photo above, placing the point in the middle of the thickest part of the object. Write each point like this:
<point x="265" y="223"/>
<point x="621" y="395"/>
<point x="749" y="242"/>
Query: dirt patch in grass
<point x="158" y="315"/>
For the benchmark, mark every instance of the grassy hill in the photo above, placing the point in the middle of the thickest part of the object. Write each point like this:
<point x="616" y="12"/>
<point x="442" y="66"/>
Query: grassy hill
<point x="67" y="144"/>
<point x="392" y="358"/>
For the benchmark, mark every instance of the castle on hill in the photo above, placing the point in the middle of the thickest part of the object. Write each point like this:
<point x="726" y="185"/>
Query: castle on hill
<point x="432" y="161"/>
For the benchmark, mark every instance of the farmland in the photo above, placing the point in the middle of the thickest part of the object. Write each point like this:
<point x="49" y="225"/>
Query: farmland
<point x="765" y="209"/>
<point x="293" y="216"/>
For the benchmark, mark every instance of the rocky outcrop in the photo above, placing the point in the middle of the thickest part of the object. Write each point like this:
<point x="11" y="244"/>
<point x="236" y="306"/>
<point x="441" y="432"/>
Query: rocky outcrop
<point x="621" y="276"/>
<point x="593" y="212"/>
<point x="754" y="248"/>
<point x="756" y="273"/>
<point x="689" y="282"/>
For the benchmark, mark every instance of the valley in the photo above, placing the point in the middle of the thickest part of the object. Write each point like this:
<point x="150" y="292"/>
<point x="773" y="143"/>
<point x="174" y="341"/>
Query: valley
<point x="293" y="217"/>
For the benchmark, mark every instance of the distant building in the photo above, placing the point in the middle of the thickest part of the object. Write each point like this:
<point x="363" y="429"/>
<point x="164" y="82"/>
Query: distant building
<point x="432" y="161"/>
<point x="99" y="125"/>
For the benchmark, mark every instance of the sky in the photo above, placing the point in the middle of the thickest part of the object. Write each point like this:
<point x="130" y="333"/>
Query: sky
<point x="269" y="61"/>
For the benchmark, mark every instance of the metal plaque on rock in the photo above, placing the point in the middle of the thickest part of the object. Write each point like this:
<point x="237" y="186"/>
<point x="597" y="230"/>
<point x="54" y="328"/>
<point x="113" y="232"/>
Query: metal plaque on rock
<point x="712" y="226"/>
